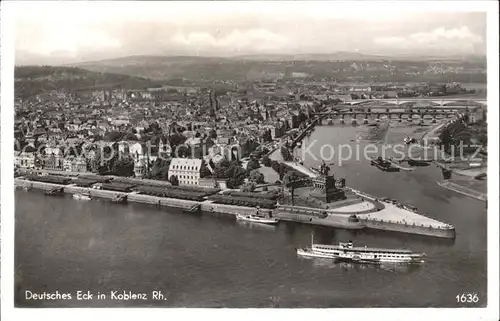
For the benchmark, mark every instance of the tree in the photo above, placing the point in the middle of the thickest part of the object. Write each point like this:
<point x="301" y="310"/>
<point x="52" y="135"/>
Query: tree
<point x="232" y="171"/>
<point x="249" y="146"/>
<point x="174" y="180"/>
<point x="282" y="171"/>
<point x="204" y="171"/>
<point x="256" y="176"/>
<point x="176" y="140"/>
<point x="276" y="166"/>
<point x="266" y="161"/>
<point x="221" y="169"/>
<point x="253" y="164"/>
<point x="302" y="117"/>
<point x="248" y="187"/>
<point x="290" y="181"/>
<point x="129" y="136"/>
<point x="154" y="128"/>
<point x="123" y="167"/>
<point x="183" y="151"/>
<point x="211" y="163"/>
<point x="113" y="136"/>
<point x="268" y="137"/>
<point x="233" y="183"/>
<point x="160" y="169"/>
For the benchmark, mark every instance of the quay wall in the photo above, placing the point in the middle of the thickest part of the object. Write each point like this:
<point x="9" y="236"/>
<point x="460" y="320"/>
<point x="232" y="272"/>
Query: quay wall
<point x="140" y="198"/>
<point x="408" y="228"/>
<point x="330" y="220"/>
<point x="296" y="215"/>
<point x="209" y="207"/>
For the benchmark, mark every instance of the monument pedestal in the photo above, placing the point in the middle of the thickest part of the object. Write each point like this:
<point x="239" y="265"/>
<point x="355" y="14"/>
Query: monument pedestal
<point x="327" y="189"/>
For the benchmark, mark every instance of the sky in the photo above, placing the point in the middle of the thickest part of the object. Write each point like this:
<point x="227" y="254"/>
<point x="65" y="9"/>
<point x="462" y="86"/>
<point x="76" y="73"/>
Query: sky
<point x="59" y="33"/>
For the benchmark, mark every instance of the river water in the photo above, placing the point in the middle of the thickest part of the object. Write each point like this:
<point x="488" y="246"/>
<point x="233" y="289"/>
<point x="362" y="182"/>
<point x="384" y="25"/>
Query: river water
<point x="213" y="261"/>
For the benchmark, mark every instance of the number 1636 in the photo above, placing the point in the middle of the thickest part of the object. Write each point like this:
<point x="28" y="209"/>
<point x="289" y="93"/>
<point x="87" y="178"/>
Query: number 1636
<point x="467" y="298"/>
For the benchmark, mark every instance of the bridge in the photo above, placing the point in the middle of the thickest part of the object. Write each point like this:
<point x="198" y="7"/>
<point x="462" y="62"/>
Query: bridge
<point x="459" y="101"/>
<point x="409" y="115"/>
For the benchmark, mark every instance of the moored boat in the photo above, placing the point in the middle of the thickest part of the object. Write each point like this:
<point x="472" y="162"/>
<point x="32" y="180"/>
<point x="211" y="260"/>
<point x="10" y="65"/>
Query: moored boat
<point x="257" y="219"/>
<point x="79" y="196"/>
<point x="347" y="252"/>
<point x="55" y="192"/>
<point x="315" y="170"/>
<point x="383" y="164"/>
<point x="409" y="140"/>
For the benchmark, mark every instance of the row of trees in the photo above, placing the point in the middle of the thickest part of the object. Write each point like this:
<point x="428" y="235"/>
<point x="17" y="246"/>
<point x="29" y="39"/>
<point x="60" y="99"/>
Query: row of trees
<point x="455" y="134"/>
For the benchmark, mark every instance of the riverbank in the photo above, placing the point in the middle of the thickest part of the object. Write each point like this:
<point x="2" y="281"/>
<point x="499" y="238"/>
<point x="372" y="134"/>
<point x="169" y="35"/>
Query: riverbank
<point x="384" y="219"/>
<point x="282" y="212"/>
<point x="464" y="190"/>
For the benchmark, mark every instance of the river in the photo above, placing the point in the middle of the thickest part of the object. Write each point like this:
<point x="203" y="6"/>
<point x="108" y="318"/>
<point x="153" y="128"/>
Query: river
<point x="213" y="261"/>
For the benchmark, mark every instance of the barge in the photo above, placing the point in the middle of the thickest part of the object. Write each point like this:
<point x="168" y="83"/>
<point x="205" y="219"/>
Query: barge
<point x="383" y="165"/>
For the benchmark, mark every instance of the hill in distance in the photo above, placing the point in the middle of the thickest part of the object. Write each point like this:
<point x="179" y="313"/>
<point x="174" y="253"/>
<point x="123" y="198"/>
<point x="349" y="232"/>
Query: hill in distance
<point x="250" y="67"/>
<point x="33" y="80"/>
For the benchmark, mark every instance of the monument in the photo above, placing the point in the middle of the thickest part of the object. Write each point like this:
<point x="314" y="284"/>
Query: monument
<point x="326" y="188"/>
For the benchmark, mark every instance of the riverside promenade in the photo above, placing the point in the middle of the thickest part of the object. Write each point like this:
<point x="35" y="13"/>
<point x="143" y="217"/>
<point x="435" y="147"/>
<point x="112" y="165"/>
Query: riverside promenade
<point x="390" y="218"/>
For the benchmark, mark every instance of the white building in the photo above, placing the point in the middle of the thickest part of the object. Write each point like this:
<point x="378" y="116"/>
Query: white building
<point x="67" y="163"/>
<point x="140" y="166"/>
<point x="24" y="160"/>
<point x="187" y="170"/>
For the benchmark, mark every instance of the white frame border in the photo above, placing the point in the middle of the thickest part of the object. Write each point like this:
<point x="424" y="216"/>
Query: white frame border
<point x="7" y="196"/>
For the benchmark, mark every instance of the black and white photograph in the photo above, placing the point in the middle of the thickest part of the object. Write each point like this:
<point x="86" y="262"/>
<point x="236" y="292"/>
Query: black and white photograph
<point x="250" y="155"/>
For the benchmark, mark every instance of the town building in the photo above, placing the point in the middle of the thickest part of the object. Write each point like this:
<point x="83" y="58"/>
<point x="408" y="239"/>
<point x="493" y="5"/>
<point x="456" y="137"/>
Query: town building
<point x="67" y="164"/>
<point x="187" y="170"/>
<point x="79" y="165"/>
<point x="24" y="160"/>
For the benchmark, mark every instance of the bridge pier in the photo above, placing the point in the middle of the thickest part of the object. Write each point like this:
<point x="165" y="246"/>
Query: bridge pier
<point x="434" y="120"/>
<point x="378" y="118"/>
<point x="400" y="117"/>
<point x="342" y="120"/>
<point x="354" y="120"/>
<point x="365" y="119"/>
<point x="410" y="118"/>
